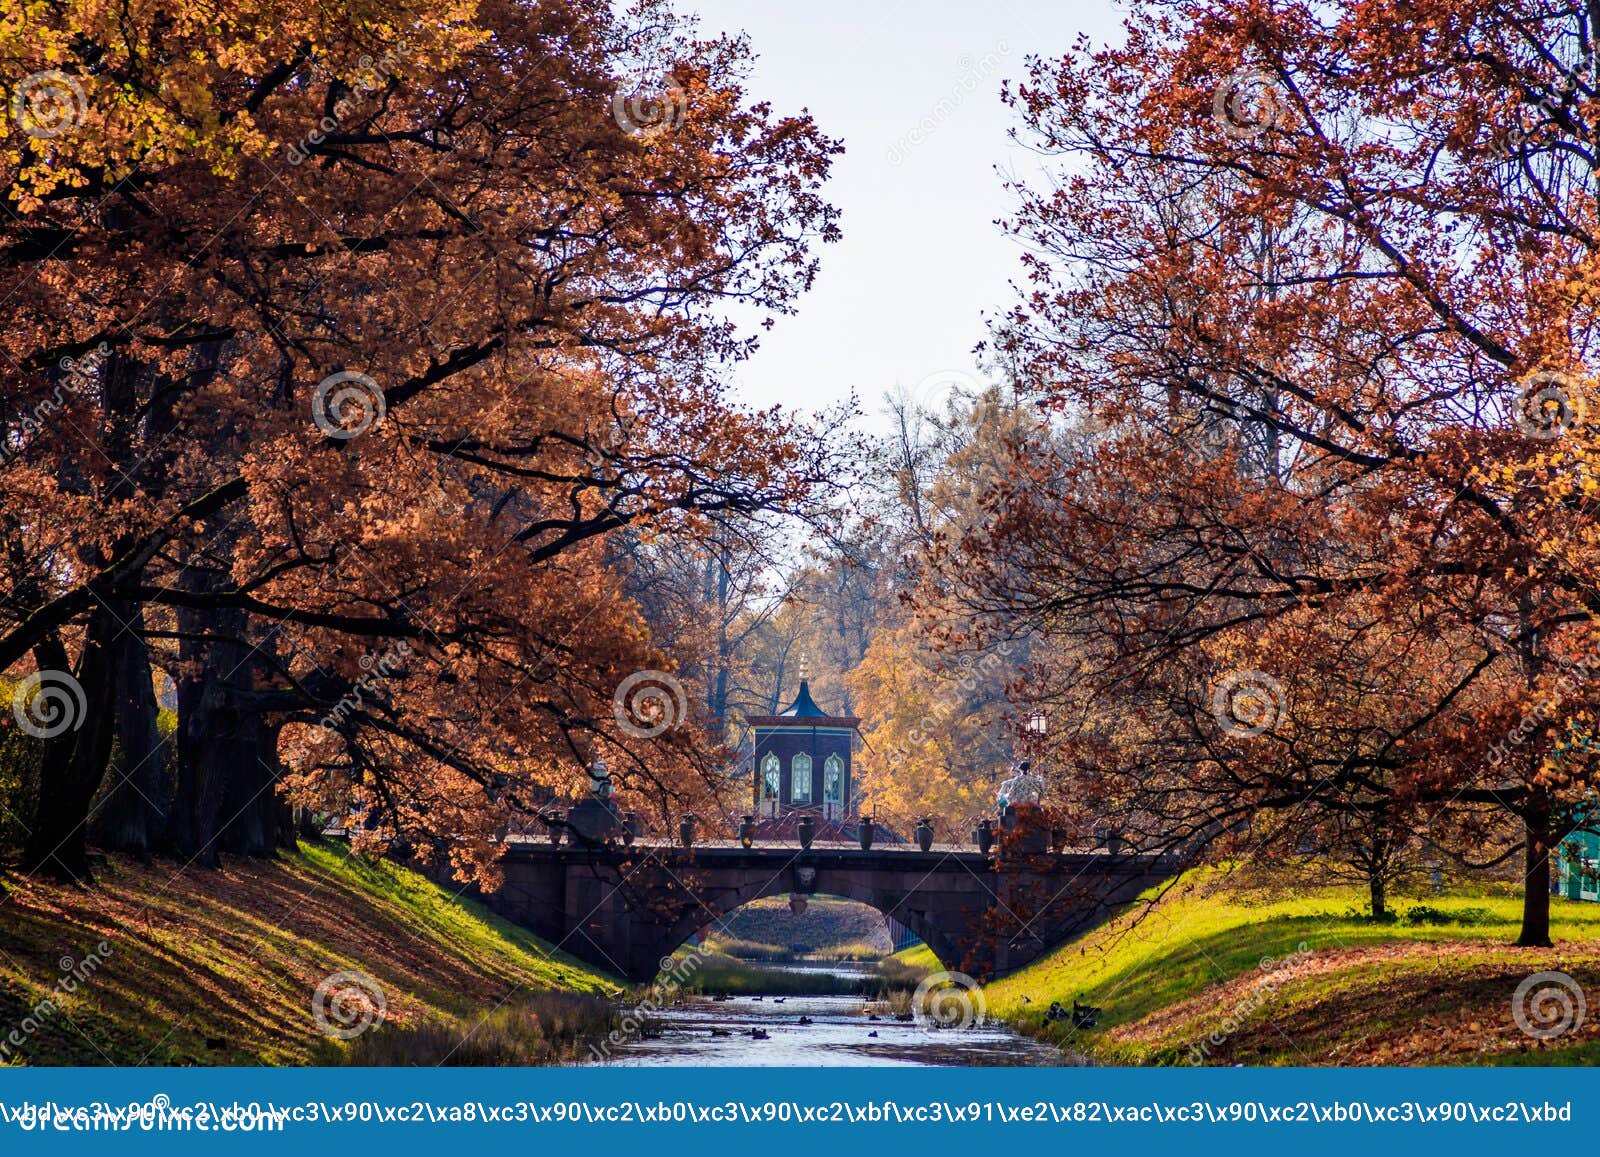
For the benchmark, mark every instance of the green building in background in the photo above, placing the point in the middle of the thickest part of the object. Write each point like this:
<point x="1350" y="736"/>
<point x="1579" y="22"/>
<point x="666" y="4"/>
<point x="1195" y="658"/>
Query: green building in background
<point x="1577" y="874"/>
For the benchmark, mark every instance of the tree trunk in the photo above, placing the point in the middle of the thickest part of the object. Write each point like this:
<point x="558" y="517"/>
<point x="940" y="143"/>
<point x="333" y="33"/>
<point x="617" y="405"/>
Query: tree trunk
<point x="1536" y="878"/>
<point x="1537" y="819"/>
<point x="74" y="762"/>
<point x="287" y="835"/>
<point x="227" y="752"/>
<point x="132" y="816"/>
<point x="285" y="828"/>
<point x="1378" y="898"/>
<point x="206" y="761"/>
<point x="250" y="811"/>
<point x="211" y="747"/>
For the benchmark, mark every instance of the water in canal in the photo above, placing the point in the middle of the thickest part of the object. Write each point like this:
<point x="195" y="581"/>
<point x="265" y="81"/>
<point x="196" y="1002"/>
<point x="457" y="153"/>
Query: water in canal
<point x="705" y="1032"/>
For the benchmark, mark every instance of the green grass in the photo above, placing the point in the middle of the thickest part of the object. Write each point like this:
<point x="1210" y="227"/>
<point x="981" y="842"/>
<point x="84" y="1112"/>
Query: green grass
<point x="746" y="949"/>
<point x="711" y="972"/>
<point x="918" y="956"/>
<point x="1210" y="930"/>
<point x="829" y="928"/>
<point x="906" y="969"/>
<point x="456" y="924"/>
<point x="855" y="951"/>
<point x="221" y="967"/>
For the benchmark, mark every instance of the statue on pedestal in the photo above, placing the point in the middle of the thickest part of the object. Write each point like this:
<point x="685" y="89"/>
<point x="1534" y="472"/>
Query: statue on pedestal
<point x="600" y="780"/>
<point x="595" y="819"/>
<point x="1022" y="821"/>
<point x="1022" y="788"/>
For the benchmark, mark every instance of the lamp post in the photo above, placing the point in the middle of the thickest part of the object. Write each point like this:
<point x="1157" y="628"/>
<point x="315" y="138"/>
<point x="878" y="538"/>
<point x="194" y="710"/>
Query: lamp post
<point x="1038" y="725"/>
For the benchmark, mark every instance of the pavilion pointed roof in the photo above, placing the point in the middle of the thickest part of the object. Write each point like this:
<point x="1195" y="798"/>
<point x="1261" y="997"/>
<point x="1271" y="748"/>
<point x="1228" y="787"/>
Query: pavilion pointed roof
<point x="804" y="706"/>
<point x="807" y="709"/>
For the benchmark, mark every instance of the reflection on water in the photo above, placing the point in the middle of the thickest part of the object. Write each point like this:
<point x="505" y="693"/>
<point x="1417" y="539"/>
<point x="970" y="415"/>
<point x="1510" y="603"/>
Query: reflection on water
<point x="840" y="1033"/>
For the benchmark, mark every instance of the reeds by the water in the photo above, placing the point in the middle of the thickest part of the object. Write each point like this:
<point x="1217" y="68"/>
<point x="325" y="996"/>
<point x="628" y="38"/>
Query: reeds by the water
<point x="543" y="1028"/>
<point x="738" y="978"/>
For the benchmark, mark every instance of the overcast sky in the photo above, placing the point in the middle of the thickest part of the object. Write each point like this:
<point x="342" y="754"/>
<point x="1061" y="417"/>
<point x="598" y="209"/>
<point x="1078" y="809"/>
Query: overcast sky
<point x="912" y="88"/>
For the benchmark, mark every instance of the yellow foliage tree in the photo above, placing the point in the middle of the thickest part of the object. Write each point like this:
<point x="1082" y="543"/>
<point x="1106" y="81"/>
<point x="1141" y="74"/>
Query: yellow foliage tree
<point x="936" y="741"/>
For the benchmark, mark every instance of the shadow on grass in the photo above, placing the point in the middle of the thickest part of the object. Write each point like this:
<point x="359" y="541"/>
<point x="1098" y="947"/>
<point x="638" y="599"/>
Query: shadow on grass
<point x="220" y="967"/>
<point x="1430" y="991"/>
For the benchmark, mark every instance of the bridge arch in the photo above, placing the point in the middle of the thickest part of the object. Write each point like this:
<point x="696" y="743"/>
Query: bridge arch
<point x="724" y="903"/>
<point x="626" y="909"/>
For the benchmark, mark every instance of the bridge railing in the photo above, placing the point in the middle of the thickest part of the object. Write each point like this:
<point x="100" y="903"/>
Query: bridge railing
<point x="1027" y="829"/>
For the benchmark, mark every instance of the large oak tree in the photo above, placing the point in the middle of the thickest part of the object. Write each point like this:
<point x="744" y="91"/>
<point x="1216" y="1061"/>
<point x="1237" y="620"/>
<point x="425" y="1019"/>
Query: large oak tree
<point x="340" y="343"/>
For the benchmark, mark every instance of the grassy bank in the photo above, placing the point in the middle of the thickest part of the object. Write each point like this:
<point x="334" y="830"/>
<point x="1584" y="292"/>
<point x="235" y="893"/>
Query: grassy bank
<point x="830" y="928"/>
<point x="851" y="952"/>
<point x="546" y="1028"/>
<point x="221" y="967"/>
<point x="1229" y="970"/>
<point x="906" y="969"/>
<point x="917" y="958"/>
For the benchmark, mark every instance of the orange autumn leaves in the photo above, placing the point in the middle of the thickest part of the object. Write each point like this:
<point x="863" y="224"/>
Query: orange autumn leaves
<point x="437" y="205"/>
<point x="1311" y="332"/>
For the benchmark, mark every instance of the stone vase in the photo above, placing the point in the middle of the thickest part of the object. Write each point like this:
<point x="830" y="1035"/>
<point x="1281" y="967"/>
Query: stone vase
<point x="984" y="835"/>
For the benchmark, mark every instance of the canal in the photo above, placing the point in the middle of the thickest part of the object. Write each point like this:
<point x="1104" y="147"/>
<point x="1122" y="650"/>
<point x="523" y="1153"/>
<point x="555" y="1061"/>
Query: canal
<point x="813" y="1031"/>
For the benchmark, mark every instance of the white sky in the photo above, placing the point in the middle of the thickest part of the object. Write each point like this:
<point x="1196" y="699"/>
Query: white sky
<point x="912" y="88"/>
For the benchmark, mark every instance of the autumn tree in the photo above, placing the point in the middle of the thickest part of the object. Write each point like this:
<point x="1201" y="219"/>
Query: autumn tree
<point x="938" y="736"/>
<point x="1322" y="277"/>
<point x="345" y="347"/>
<point x="943" y="722"/>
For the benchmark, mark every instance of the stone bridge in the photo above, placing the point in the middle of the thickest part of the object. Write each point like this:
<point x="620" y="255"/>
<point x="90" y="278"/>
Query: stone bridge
<point x="624" y="909"/>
